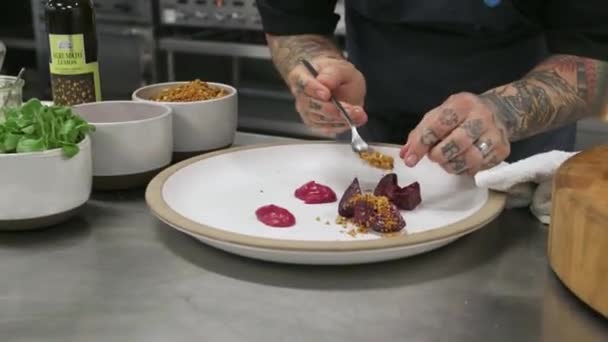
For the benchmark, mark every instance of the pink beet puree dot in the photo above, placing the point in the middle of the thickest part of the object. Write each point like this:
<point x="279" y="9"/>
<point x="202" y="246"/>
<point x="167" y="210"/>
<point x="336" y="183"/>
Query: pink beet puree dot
<point x="315" y="193"/>
<point x="275" y="216"/>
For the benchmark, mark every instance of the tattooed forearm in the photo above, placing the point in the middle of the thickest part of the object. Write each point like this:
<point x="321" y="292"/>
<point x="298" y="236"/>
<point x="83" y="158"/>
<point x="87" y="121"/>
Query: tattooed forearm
<point x="561" y="90"/>
<point x="287" y="51"/>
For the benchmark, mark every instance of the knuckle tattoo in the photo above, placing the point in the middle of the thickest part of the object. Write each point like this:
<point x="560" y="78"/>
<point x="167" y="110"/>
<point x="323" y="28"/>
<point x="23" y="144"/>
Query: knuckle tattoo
<point x="473" y="128"/>
<point x="448" y="117"/>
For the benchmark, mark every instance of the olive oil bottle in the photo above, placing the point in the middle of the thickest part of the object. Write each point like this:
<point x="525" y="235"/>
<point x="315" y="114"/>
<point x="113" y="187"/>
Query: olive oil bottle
<point x="73" y="52"/>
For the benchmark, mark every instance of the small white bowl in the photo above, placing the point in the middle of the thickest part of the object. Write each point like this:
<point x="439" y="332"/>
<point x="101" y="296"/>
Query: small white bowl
<point x="132" y="142"/>
<point x="40" y="189"/>
<point x="199" y="126"/>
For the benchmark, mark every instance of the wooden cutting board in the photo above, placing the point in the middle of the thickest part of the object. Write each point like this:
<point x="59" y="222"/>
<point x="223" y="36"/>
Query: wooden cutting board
<point x="578" y="237"/>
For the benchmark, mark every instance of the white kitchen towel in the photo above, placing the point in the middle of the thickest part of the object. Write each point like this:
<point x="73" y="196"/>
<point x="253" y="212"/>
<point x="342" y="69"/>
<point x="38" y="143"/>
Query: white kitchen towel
<point x="528" y="182"/>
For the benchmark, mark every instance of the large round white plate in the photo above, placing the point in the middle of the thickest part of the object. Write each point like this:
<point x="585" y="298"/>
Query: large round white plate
<point x="214" y="198"/>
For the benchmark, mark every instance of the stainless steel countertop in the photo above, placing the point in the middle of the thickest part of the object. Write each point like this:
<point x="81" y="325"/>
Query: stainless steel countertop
<point x="115" y="273"/>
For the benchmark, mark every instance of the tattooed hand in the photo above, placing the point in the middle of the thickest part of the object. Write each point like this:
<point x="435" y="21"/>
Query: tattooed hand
<point x="469" y="133"/>
<point x="312" y="95"/>
<point x="336" y="76"/>
<point x="463" y="135"/>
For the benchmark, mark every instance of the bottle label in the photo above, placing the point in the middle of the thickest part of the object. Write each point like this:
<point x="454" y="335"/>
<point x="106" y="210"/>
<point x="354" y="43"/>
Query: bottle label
<point x="73" y="80"/>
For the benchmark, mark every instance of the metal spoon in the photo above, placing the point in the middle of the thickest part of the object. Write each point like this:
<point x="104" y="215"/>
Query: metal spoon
<point x="10" y="93"/>
<point x="357" y="143"/>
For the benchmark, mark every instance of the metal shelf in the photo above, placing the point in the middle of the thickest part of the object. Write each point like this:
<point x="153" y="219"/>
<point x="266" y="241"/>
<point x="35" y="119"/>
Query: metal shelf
<point x="19" y="43"/>
<point x="173" y="45"/>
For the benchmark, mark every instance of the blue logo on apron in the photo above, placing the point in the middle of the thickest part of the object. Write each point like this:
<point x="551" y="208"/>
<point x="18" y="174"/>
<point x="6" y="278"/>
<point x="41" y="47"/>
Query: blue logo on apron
<point x="492" y="3"/>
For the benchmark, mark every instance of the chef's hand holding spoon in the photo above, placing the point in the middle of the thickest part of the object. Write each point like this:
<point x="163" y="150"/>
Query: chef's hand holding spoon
<point x="464" y="135"/>
<point x="337" y="77"/>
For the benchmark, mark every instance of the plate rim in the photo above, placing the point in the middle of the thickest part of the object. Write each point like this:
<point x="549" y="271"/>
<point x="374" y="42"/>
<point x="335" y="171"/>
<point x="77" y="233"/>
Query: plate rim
<point x="493" y="206"/>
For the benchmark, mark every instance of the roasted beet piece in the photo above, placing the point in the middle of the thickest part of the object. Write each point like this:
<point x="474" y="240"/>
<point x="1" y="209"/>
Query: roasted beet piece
<point x="364" y="212"/>
<point x="406" y="198"/>
<point x="387" y="185"/>
<point x="377" y="213"/>
<point x="390" y="222"/>
<point x="346" y="208"/>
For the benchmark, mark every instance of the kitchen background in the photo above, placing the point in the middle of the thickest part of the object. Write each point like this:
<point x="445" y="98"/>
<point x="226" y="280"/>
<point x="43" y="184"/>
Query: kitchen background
<point x="148" y="41"/>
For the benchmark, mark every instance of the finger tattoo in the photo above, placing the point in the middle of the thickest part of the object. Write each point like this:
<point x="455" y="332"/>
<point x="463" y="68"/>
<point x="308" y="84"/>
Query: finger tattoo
<point x="428" y="137"/>
<point x="318" y="117"/>
<point x="458" y="164"/>
<point x="473" y="128"/>
<point x="314" y="105"/>
<point x="300" y="85"/>
<point x="450" y="150"/>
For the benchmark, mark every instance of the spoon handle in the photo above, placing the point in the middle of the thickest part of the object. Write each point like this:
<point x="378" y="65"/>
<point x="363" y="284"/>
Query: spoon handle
<point x="20" y="74"/>
<point x="10" y="92"/>
<point x="343" y="111"/>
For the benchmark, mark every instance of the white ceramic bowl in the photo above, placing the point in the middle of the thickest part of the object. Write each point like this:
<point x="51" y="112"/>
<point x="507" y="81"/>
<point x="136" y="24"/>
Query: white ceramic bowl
<point x="132" y="142"/>
<point x="40" y="189"/>
<point x="199" y="126"/>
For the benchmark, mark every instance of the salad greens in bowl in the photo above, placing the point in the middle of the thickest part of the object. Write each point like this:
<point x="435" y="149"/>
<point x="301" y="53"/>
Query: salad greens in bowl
<point x="46" y="165"/>
<point x="35" y="127"/>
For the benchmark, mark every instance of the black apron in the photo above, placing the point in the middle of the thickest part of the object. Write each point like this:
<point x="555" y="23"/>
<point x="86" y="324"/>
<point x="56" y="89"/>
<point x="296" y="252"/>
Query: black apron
<point x="416" y="53"/>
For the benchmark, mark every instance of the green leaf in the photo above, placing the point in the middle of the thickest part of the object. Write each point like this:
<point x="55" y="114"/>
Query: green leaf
<point x="67" y="127"/>
<point x="29" y="129"/>
<point x="10" y="113"/>
<point x="24" y="122"/>
<point x="30" y="145"/>
<point x="10" y="141"/>
<point x="70" y="150"/>
<point x="31" y="107"/>
<point x="35" y="127"/>
<point x="84" y="127"/>
<point x="63" y="111"/>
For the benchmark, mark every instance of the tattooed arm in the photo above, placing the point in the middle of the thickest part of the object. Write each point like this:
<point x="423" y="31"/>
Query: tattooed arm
<point x="298" y="29"/>
<point x="287" y="51"/>
<point x="561" y="90"/>
<point x="469" y="133"/>
<point x="337" y="76"/>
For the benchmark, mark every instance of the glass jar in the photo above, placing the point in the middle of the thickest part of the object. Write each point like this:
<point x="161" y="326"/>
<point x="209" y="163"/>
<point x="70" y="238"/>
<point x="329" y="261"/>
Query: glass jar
<point x="11" y="92"/>
<point x="2" y="54"/>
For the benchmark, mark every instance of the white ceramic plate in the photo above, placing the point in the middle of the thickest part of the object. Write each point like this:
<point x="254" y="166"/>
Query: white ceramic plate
<point x="214" y="198"/>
